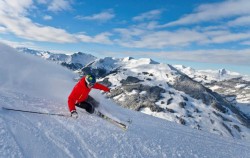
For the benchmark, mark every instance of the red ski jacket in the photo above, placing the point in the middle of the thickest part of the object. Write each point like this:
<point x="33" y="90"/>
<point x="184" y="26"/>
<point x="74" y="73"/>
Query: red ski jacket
<point x="81" y="91"/>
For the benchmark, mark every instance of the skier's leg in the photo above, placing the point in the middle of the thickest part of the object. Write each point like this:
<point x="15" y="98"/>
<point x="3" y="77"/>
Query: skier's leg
<point x="87" y="106"/>
<point x="90" y="109"/>
<point x="92" y="101"/>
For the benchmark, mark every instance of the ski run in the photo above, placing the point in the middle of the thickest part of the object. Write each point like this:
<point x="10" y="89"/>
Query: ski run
<point x="43" y="86"/>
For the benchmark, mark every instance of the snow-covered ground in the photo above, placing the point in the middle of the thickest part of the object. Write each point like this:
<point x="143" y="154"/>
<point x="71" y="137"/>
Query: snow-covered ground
<point x="33" y="84"/>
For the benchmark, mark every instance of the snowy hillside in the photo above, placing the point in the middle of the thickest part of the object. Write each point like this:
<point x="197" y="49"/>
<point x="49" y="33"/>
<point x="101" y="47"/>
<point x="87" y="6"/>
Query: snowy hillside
<point x="73" y="62"/>
<point x="44" y="87"/>
<point x="233" y="86"/>
<point x="162" y="91"/>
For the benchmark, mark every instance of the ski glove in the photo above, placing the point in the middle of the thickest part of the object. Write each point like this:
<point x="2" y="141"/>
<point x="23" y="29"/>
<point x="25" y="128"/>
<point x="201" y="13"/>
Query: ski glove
<point x="74" y="114"/>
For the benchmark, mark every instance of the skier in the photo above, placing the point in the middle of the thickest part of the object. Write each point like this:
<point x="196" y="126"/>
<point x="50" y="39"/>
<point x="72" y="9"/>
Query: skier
<point x="80" y="95"/>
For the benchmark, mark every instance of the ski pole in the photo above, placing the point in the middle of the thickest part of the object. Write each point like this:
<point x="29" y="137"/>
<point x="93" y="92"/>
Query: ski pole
<point x="36" y="112"/>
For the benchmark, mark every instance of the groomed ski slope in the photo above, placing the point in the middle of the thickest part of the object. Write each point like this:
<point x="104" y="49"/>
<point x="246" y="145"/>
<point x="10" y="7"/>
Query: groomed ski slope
<point x="33" y="84"/>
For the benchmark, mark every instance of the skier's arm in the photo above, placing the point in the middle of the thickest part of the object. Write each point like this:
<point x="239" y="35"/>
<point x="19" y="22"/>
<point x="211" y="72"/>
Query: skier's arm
<point x="101" y="87"/>
<point x="71" y="104"/>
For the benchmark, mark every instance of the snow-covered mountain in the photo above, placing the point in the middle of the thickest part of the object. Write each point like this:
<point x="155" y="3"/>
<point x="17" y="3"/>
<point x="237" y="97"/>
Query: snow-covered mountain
<point x="163" y="91"/>
<point x="73" y="62"/>
<point x="231" y="85"/>
<point x="32" y="135"/>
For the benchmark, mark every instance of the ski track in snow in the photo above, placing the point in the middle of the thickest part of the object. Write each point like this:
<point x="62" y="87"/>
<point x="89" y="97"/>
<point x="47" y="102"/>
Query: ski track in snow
<point x="76" y="136"/>
<point x="11" y="148"/>
<point x="25" y="131"/>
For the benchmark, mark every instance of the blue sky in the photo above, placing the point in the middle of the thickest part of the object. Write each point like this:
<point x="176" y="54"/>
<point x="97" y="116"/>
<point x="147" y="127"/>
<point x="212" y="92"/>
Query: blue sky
<point x="208" y="34"/>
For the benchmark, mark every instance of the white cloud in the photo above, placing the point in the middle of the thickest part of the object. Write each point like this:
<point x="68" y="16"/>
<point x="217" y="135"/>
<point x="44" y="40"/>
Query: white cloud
<point x="225" y="36"/>
<point x="143" y="35"/>
<point x="153" y="14"/>
<point x="15" y="7"/>
<point x="241" y="21"/>
<point x="24" y="28"/>
<point x="103" y="16"/>
<point x="3" y="29"/>
<point x="127" y="34"/>
<point x="60" y="5"/>
<point x="103" y="38"/>
<point x="225" y="56"/>
<point x="215" y="56"/>
<point x="100" y="38"/>
<point x="19" y="44"/>
<point x="139" y="37"/>
<point x="214" y="11"/>
<point x="47" y="17"/>
<point x="20" y="25"/>
<point x="246" y="43"/>
<point x="56" y="5"/>
<point x="135" y="37"/>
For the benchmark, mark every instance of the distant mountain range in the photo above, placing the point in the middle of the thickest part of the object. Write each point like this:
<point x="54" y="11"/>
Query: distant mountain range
<point x="214" y="101"/>
<point x="74" y="62"/>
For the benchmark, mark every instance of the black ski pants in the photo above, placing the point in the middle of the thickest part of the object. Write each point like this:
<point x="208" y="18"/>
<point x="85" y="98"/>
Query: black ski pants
<point x="89" y="105"/>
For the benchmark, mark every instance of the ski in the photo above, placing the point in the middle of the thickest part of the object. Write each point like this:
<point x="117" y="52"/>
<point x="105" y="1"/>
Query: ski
<point x="35" y="112"/>
<point x="114" y="122"/>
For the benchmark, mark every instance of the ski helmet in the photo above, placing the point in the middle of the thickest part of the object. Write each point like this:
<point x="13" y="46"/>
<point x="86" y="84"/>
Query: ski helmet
<point x="90" y="80"/>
